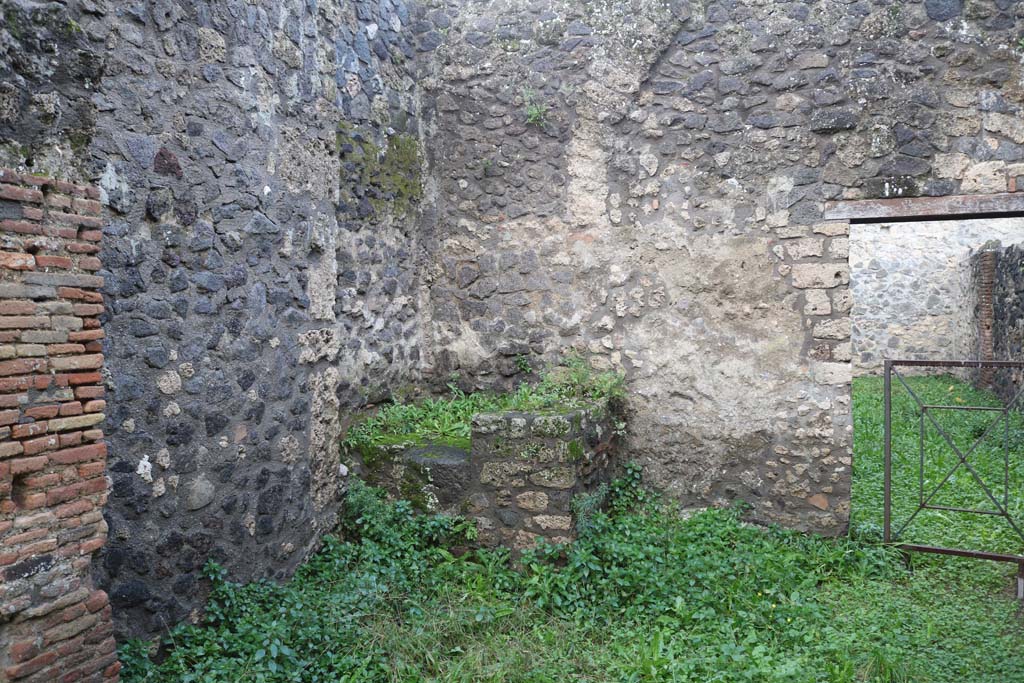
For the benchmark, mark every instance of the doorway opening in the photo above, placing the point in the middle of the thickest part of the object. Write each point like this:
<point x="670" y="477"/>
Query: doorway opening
<point x="927" y="291"/>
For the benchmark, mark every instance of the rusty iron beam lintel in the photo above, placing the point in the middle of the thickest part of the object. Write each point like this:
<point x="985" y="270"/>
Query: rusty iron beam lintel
<point x="925" y="208"/>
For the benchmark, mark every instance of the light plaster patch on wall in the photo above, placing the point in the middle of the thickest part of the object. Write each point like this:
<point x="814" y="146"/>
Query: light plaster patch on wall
<point x="323" y="277"/>
<point x="323" y="437"/>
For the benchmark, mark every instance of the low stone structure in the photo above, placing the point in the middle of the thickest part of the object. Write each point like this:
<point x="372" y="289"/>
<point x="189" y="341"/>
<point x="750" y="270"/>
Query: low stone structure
<point x="54" y="624"/>
<point x="518" y="478"/>
<point x="530" y="467"/>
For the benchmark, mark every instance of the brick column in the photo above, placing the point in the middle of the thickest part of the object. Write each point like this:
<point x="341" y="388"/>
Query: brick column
<point x="986" y="277"/>
<point x="54" y="625"/>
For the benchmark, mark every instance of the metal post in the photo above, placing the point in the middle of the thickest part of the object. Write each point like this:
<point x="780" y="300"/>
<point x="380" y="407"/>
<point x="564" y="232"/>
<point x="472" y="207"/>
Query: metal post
<point x="920" y="450"/>
<point x="888" y="453"/>
<point x="1006" y="458"/>
<point x="1020" y="581"/>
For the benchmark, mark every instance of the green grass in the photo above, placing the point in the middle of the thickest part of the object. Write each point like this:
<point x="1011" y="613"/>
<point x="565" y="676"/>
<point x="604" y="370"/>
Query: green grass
<point x="645" y="594"/>
<point x="942" y="595"/>
<point x="937" y="527"/>
<point x="448" y="420"/>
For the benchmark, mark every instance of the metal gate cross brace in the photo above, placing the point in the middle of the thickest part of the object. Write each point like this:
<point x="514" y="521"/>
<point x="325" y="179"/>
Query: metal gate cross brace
<point x="962" y="457"/>
<point x="1002" y="510"/>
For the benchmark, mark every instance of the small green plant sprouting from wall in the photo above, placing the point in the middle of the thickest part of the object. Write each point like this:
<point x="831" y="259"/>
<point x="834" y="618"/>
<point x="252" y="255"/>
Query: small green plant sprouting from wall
<point x="531" y="451"/>
<point x="536" y="110"/>
<point x="79" y="140"/>
<point x="575" y="450"/>
<point x="11" y="24"/>
<point x="586" y="505"/>
<point x="388" y="179"/>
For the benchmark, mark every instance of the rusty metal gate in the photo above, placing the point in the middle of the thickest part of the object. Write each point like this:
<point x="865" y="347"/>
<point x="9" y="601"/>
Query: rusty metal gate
<point x="1000" y="504"/>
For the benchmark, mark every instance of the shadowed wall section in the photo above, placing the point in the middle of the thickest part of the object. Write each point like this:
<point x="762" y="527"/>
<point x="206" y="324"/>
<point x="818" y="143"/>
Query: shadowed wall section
<point x="1008" y="319"/>
<point x="259" y="166"/>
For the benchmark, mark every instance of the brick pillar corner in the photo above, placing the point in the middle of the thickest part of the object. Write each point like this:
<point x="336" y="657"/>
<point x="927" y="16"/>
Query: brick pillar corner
<point x="54" y="624"/>
<point x="985" y="314"/>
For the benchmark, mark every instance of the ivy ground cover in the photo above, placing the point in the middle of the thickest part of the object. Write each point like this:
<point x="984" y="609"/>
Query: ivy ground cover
<point x="647" y="593"/>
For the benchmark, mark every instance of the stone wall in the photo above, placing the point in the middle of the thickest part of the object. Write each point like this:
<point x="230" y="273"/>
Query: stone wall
<point x="49" y="69"/>
<point x="54" y="623"/>
<point x="260" y="164"/>
<point x="312" y="204"/>
<point x="645" y="181"/>
<point x="1008" y="319"/>
<point x="914" y="288"/>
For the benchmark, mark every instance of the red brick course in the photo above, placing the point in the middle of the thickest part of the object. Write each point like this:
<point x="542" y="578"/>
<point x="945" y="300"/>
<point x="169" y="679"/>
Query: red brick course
<point x="54" y="626"/>
<point x="986" y="312"/>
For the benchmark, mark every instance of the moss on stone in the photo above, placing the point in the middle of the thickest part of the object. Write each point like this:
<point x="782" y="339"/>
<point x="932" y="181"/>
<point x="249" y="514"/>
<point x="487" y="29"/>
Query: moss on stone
<point x="390" y="179"/>
<point x="412" y="487"/>
<point x="11" y="24"/>
<point x="382" y="469"/>
<point x="431" y="455"/>
<point x="79" y="140"/>
<point x="374" y="458"/>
